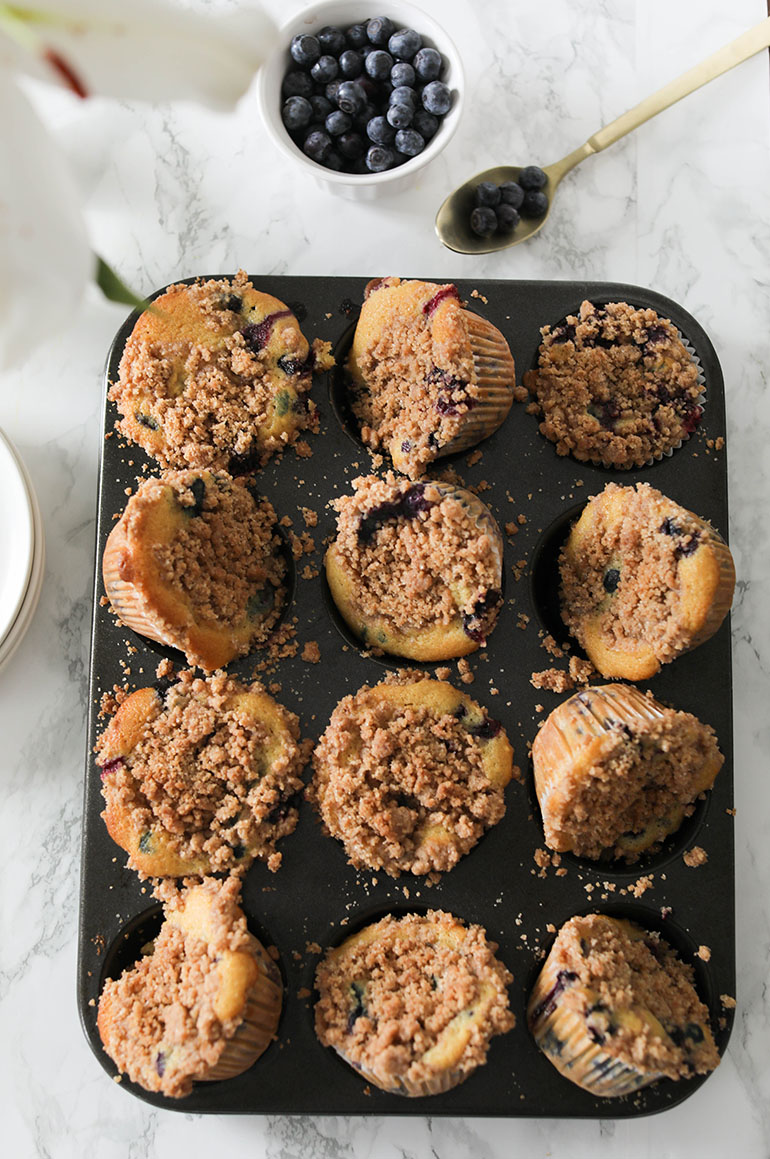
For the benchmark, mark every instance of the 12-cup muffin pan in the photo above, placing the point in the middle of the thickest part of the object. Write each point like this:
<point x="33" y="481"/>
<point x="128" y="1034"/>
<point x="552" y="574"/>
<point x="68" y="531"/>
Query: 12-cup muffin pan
<point x="316" y="899"/>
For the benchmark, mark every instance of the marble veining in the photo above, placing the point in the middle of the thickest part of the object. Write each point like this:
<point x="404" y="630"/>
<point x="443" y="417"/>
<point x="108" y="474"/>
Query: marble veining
<point x="681" y="207"/>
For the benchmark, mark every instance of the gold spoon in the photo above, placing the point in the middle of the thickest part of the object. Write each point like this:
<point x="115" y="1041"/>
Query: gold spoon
<point x="453" y="219"/>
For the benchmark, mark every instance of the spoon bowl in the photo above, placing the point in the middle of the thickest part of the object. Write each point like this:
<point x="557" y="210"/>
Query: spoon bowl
<point x="453" y="220"/>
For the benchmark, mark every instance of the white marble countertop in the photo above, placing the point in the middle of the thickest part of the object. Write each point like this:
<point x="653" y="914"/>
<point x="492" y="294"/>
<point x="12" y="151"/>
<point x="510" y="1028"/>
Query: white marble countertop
<point x="681" y="207"/>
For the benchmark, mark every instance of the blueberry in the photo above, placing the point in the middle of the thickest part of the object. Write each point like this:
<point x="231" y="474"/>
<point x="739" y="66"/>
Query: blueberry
<point x="351" y="64"/>
<point x="297" y="84"/>
<point x="321" y="108"/>
<point x="351" y="146"/>
<point x="380" y="29"/>
<point x="260" y="603"/>
<point x="563" y="333"/>
<point x="403" y="95"/>
<point x="425" y="123"/>
<point x="379" y="131"/>
<point x="427" y="64"/>
<point x="356" y="36"/>
<point x="534" y="204"/>
<point x="668" y="527"/>
<point x="655" y="335"/>
<point x="338" y="123"/>
<point x="378" y="64"/>
<point x="291" y="366"/>
<point x="198" y="488"/>
<point x="305" y="50"/>
<point x="112" y="766"/>
<point x="368" y="112"/>
<point x="507" y="217"/>
<point x="487" y="193"/>
<point x="400" y="115"/>
<point x="476" y="622"/>
<point x="317" y="145"/>
<point x="331" y="90"/>
<point x="146" y="420"/>
<point x="357" y="1004"/>
<point x="511" y="194"/>
<point x="296" y="113"/>
<point x="410" y="142"/>
<point x="351" y="98"/>
<point x="414" y="501"/>
<point x="611" y="579"/>
<point x="402" y="74"/>
<point x="405" y="44"/>
<point x="379" y="158"/>
<point x="233" y="303"/>
<point x="332" y="40"/>
<point x="436" y="98"/>
<point x="487" y="729"/>
<point x="324" y="70"/>
<point x="532" y="177"/>
<point x="483" y="221"/>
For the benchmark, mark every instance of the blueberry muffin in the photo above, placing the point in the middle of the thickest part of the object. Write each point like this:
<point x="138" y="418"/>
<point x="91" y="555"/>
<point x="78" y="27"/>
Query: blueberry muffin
<point x="614" y="1009"/>
<point x="416" y="568"/>
<point x="616" y="386"/>
<point x="642" y="580"/>
<point x="216" y="374"/>
<point x="198" y="776"/>
<point x="409" y="775"/>
<point x="202" y="1005"/>
<point x="429" y="377"/>
<point x="196" y="562"/>
<point x="616" y="772"/>
<point x="412" y="1003"/>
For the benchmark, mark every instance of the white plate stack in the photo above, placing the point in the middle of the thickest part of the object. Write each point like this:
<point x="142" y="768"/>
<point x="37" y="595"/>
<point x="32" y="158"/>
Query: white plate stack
<point x="22" y="550"/>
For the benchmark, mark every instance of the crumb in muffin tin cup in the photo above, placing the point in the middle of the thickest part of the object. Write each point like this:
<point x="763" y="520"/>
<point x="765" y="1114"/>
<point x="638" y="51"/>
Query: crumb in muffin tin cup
<point x="260" y="1021"/>
<point x="561" y="1034"/>
<point x="657" y="456"/>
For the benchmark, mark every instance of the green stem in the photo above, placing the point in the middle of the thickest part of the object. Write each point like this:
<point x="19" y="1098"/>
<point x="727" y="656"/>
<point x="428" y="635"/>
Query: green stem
<point x="114" y="289"/>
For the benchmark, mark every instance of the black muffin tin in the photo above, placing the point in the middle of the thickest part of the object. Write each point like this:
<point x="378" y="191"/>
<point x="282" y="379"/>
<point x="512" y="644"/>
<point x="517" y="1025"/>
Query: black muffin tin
<point x="316" y="897"/>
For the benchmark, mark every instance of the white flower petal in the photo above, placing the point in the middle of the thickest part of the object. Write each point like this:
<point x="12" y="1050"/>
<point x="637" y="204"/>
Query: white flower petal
<point x="145" y="49"/>
<point x="45" y="258"/>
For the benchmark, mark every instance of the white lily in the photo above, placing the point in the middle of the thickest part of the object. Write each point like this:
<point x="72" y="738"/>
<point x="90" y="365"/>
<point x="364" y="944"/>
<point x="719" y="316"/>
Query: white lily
<point x="135" y="49"/>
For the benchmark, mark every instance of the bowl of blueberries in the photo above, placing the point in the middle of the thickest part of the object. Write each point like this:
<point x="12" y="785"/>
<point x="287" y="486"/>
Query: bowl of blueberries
<point x="362" y="100"/>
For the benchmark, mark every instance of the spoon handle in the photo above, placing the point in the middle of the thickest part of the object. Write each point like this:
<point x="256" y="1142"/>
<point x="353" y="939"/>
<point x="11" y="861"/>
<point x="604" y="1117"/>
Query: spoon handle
<point x="746" y="45"/>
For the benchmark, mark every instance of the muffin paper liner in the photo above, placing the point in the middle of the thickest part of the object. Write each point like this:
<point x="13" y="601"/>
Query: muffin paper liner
<point x="562" y="1035"/>
<point x="723" y="597"/>
<point x="495" y="379"/>
<point x="124" y="596"/>
<point x="580" y="732"/>
<point x="408" y="1088"/>
<point x="260" y="1022"/>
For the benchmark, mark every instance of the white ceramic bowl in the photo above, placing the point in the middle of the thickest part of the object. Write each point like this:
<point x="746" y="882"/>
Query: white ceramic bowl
<point x="343" y="13"/>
